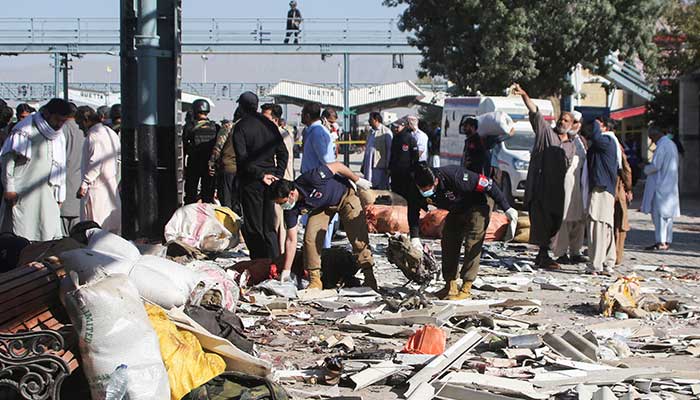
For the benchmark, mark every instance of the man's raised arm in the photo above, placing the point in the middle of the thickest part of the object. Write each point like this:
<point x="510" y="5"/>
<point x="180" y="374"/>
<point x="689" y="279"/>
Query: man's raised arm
<point x="518" y="91"/>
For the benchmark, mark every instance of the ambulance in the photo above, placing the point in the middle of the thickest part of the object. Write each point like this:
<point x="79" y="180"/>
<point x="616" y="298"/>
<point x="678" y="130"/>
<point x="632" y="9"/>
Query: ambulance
<point x="511" y="156"/>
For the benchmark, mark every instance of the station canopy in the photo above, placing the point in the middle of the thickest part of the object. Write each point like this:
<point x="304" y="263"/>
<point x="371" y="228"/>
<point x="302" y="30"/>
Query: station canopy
<point x="362" y="99"/>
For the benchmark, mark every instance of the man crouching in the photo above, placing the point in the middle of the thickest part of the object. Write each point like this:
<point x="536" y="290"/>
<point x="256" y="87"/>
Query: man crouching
<point x="323" y="192"/>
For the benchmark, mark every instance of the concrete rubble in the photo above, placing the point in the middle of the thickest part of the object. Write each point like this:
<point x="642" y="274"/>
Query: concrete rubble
<point x="526" y="333"/>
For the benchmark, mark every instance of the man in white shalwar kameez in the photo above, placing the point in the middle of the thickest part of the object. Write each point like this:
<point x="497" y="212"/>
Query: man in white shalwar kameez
<point x="34" y="174"/>
<point x="375" y="164"/>
<point x="661" y="189"/>
<point x="571" y="234"/>
<point x="99" y="189"/>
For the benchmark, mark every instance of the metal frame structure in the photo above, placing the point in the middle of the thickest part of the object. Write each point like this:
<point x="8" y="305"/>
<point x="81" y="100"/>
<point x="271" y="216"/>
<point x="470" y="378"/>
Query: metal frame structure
<point x="226" y="91"/>
<point x="29" y="364"/>
<point x="210" y="35"/>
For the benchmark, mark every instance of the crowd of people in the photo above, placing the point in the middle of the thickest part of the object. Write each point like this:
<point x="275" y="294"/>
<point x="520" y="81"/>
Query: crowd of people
<point x="61" y="165"/>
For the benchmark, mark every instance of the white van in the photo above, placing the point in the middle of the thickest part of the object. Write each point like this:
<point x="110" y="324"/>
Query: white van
<point x="512" y="156"/>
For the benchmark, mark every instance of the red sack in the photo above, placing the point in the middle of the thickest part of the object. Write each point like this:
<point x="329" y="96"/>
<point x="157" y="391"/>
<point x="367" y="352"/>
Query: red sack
<point x="428" y="340"/>
<point x="432" y="223"/>
<point x="498" y="225"/>
<point x="386" y="219"/>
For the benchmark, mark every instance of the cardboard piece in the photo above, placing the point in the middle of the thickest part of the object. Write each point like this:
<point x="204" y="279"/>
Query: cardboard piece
<point x="458" y="392"/>
<point x="497" y="384"/>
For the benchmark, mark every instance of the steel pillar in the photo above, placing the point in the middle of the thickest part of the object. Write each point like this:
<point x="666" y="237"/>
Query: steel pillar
<point x="56" y="73"/>
<point x="147" y="43"/>
<point x="64" y="65"/>
<point x="129" y="88"/>
<point x="346" y="106"/>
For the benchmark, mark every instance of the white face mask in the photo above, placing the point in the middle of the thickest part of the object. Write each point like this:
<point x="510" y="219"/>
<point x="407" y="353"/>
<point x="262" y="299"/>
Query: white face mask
<point x="288" y="205"/>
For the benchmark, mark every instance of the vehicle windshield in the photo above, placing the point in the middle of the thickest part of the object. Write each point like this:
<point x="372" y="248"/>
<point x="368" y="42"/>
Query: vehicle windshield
<point x="521" y="140"/>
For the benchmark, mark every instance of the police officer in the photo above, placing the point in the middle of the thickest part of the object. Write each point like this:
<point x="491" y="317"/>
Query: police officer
<point x="199" y="137"/>
<point x="475" y="157"/>
<point x="463" y="193"/>
<point x="115" y="118"/>
<point x="404" y="157"/>
<point x="323" y="192"/>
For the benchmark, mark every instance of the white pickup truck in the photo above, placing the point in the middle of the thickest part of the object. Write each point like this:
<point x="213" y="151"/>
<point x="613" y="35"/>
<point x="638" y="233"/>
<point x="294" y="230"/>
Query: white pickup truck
<point x="512" y="156"/>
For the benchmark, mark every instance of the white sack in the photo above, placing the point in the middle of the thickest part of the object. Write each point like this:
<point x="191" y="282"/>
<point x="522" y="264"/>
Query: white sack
<point x="214" y="278"/>
<point x="158" y="280"/>
<point x="495" y="123"/>
<point x="196" y="225"/>
<point x="114" y="329"/>
<point x="111" y="244"/>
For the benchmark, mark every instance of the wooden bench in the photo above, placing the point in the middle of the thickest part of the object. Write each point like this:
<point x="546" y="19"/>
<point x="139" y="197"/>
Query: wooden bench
<point x="34" y="356"/>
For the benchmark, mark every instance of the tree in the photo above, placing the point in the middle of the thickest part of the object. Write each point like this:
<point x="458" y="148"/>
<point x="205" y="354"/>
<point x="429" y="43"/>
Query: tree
<point x="485" y="45"/>
<point x="678" y="41"/>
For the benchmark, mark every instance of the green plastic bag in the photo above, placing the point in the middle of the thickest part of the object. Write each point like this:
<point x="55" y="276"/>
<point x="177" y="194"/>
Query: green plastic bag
<point x="238" y="386"/>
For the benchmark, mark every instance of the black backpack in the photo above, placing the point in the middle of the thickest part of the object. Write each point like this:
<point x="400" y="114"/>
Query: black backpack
<point x="11" y="246"/>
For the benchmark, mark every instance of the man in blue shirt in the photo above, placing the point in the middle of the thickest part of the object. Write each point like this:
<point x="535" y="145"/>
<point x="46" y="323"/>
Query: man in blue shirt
<point x="322" y="193"/>
<point x="318" y="144"/>
<point x="319" y="150"/>
<point x="602" y="178"/>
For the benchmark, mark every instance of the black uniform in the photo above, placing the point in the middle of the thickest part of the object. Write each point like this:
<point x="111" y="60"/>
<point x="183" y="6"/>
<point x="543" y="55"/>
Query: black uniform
<point x="404" y="157"/>
<point x="324" y="195"/>
<point x="260" y="150"/>
<point x="475" y="157"/>
<point x="464" y="194"/>
<point x="199" y="137"/>
<point x="293" y="25"/>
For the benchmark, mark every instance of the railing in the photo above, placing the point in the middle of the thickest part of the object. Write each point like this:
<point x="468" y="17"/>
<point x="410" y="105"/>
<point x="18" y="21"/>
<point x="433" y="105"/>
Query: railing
<point x="92" y="31"/>
<point x="37" y="91"/>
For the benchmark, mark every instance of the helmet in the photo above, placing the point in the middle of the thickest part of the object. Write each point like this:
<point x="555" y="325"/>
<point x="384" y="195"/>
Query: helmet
<point x="292" y="3"/>
<point x="200" y="106"/>
<point x="115" y="112"/>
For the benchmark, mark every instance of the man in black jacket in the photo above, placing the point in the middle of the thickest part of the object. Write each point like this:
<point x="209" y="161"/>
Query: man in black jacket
<point x="261" y="157"/>
<point x="293" y="23"/>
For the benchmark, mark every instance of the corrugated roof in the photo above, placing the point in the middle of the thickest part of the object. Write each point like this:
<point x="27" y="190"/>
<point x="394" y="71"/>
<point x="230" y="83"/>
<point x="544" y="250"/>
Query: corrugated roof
<point x="396" y="93"/>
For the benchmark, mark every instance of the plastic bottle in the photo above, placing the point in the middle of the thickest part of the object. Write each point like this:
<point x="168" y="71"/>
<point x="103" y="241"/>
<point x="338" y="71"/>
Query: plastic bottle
<point x="116" y="387"/>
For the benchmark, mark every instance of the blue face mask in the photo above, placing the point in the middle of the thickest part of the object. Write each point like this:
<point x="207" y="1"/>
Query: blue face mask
<point x="428" y="193"/>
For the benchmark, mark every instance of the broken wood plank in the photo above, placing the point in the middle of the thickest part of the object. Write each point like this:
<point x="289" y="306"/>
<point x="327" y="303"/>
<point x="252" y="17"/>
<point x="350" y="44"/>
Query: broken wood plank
<point x="604" y="377"/>
<point x="375" y="374"/>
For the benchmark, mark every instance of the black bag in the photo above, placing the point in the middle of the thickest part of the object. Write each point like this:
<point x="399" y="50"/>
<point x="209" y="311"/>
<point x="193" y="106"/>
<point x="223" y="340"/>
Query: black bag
<point x="222" y="323"/>
<point x="238" y="386"/>
<point x="11" y="246"/>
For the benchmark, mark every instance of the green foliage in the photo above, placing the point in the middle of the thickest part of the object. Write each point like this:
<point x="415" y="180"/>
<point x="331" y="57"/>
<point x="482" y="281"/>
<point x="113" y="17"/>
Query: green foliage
<point x="678" y="42"/>
<point x="485" y="45"/>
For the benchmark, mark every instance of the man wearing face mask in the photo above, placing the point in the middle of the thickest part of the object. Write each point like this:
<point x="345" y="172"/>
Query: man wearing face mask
<point x="464" y="194"/>
<point x="544" y="188"/>
<point x="569" y="240"/>
<point x="404" y="158"/>
<point x="34" y="174"/>
<point x="323" y="192"/>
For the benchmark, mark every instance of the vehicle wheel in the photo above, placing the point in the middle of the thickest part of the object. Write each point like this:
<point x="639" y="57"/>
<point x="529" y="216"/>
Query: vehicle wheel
<point x="507" y="189"/>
